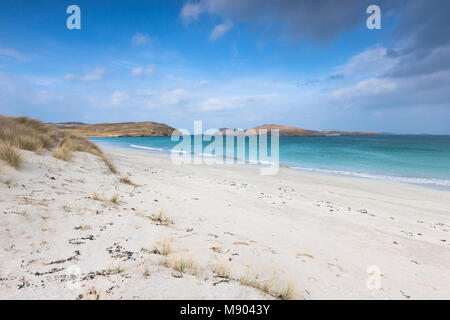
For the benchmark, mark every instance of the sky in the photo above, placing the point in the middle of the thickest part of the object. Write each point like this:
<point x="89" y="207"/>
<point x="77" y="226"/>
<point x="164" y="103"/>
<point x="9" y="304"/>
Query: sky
<point x="230" y="63"/>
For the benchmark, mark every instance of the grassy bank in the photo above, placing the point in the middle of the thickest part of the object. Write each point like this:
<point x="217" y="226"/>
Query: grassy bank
<point x="23" y="133"/>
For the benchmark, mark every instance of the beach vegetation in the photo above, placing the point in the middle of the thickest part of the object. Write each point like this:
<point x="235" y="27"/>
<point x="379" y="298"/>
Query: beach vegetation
<point x="96" y="196"/>
<point x="222" y="269"/>
<point x="63" y="153"/>
<point x="11" y="155"/>
<point x="161" y="218"/>
<point x="33" y="135"/>
<point x="115" y="198"/>
<point x="127" y="180"/>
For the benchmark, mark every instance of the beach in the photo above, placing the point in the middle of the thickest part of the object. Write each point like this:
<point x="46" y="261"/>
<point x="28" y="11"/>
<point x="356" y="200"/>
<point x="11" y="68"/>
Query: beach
<point x="74" y="230"/>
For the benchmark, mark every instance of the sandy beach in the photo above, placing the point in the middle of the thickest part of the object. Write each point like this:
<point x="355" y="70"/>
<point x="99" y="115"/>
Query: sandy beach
<point x="73" y="230"/>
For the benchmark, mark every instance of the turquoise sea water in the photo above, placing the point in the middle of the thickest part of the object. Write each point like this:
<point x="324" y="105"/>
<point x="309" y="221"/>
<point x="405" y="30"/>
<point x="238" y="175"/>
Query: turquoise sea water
<point x="423" y="159"/>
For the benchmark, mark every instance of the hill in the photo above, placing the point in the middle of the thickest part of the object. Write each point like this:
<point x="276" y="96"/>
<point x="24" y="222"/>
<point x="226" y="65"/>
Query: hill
<point x="122" y="129"/>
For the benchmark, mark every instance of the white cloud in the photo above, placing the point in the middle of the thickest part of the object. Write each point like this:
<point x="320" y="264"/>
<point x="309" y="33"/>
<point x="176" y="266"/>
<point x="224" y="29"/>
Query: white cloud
<point x="202" y="84"/>
<point x="147" y="71"/>
<point x="11" y="53"/>
<point x="220" y="29"/>
<point x="138" y="71"/>
<point x="174" y="96"/>
<point x="373" y="61"/>
<point x="140" y="39"/>
<point x="367" y="87"/>
<point x="217" y="104"/>
<point x="190" y="11"/>
<point x="119" y="97"/>
<point x="93" y="75"/>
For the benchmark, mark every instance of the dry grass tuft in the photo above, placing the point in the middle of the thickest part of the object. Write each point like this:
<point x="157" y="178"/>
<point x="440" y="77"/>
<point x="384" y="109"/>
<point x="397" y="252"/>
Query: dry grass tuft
<point x="145" y="270"/>
<point x="267" y="286"/>
<point x="289" y="292"/>
<point x="164" y="249"/>
<point x="63" y="153"/>
<point x="161" y="218"/>
<point x="115" y="198"/>
<point x="81" y="144"/>
<point x="180" y="264"/>
<point x="270" y="286"/>
<point x="222" y="269"/>
<point x="11" y="155"/>
<point x="248" y="279"/>
<point x="127" y="180"/>
<point x="110" y="165"/>
<point x="96" y="196"/>
<point x="90" y="294"/>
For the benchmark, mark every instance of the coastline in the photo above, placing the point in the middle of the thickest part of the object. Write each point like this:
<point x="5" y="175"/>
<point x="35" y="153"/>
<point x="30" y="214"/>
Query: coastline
<point x="314" y="234"/>
<point x="437" y="184"/>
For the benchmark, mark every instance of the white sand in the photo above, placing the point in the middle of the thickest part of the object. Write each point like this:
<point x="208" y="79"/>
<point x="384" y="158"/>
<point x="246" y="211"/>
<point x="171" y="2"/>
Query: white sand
<point x="318" y="232"/>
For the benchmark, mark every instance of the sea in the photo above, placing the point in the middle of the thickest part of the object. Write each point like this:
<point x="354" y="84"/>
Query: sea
<point x="417" y="159"/>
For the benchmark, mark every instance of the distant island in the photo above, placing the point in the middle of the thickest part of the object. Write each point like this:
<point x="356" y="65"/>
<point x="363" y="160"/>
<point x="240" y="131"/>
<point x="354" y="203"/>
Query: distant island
<point x="155" y="129"/>
<point x="290" y="131"/>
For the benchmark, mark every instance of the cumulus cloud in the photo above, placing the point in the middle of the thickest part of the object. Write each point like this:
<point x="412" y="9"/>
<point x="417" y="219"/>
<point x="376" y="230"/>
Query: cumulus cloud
<point x="220" y="29"/>
<point x="93" y="75"/>
<point x="140" y="39"/>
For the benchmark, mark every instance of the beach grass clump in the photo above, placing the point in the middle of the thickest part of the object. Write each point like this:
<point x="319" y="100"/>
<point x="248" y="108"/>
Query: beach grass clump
<point x="127" y="180"/>
<point x="222" y="269"/>
<point x="63" y="153"/>
<point x="115" y="198"/>
<point x="161" y="218"/>
<point x="288" y="292"/>
<point x="11" y="155"/>
<point x="96" y="196"/>
<point x="145" y="270"/>
<point x="270" y="286"/>
<point x="90" y="294"/>
<point x="81" y="144"/>
<point x="28" y="134"/>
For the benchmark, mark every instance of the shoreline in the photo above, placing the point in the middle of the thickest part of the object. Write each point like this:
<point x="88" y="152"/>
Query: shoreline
<point x="436" y="184"/>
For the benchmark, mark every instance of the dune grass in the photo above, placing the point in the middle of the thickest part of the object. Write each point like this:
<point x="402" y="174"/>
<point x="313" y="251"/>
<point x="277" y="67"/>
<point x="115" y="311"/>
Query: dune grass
<point x="63" y="153"/>
<point x="33" y="135"/>
<point x="11" y="155"/>
<point x="161" y="218"/>
<point x="127" y="180"/>
<point x="71" y="142"/>
<point x="222" y="269"/>
<point x="115" y="198"/>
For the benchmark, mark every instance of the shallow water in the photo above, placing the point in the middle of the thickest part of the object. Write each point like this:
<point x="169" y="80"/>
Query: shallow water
<point x="423" y="159"/>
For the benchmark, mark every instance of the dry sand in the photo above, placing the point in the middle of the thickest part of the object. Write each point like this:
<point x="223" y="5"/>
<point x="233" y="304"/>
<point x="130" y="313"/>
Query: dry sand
<point x="314" y="234"/>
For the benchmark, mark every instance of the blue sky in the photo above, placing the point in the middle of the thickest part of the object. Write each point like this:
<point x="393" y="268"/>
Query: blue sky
<point x="235" y="63"/>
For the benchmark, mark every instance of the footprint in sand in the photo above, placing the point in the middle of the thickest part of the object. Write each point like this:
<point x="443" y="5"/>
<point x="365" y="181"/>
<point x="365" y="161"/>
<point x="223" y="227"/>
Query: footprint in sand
<point x="304" y="255"/>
